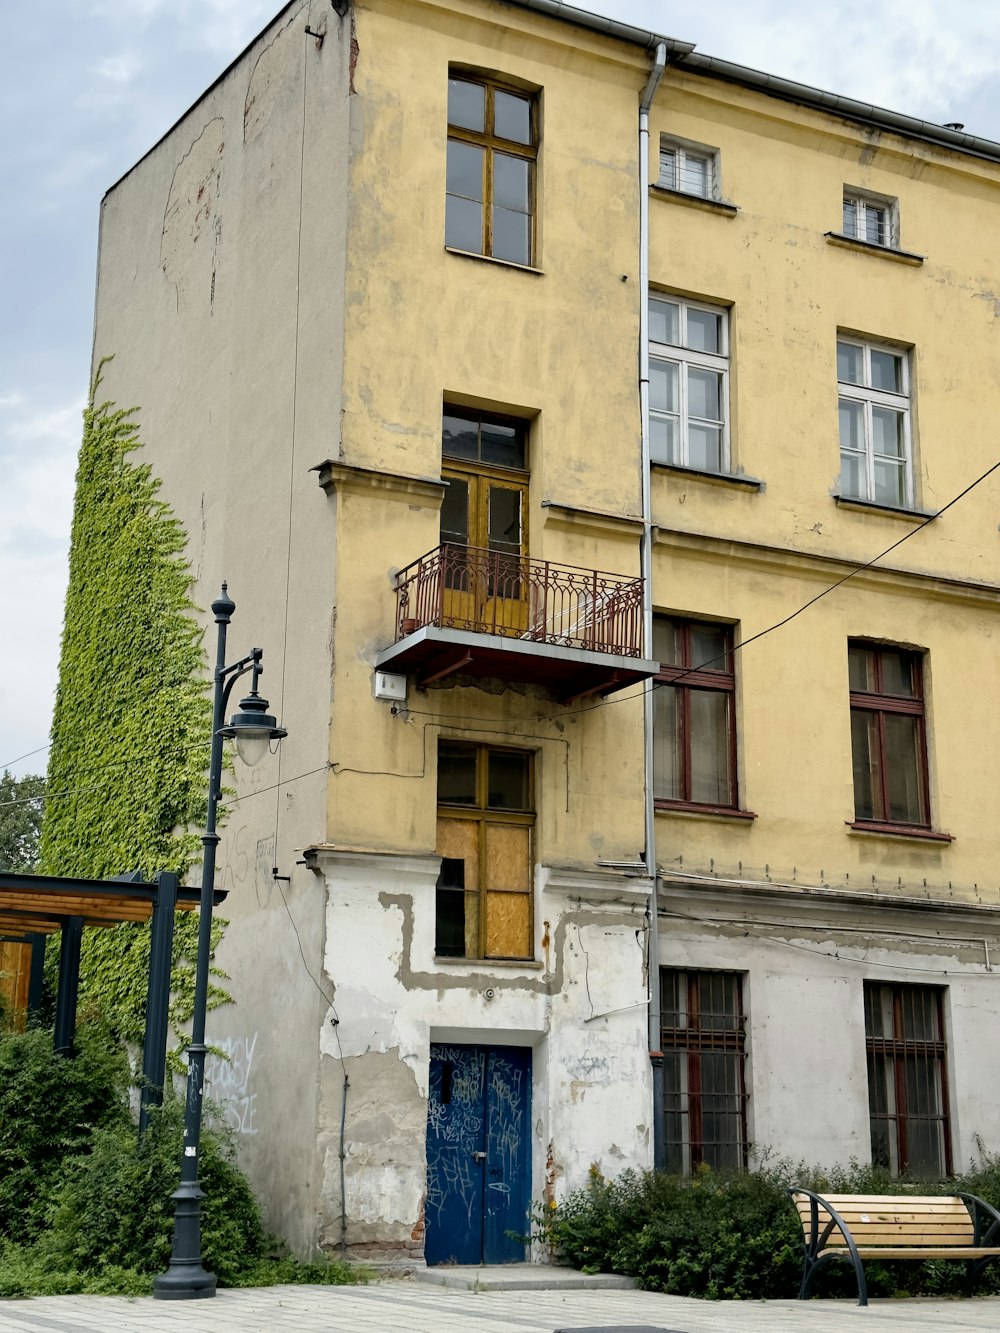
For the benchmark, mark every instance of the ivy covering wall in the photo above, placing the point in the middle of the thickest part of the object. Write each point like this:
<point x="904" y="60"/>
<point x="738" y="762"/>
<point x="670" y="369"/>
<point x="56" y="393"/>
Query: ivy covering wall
<point x="131" y="731"/>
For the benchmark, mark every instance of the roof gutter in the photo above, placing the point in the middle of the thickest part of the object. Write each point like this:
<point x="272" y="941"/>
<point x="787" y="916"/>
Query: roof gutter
<point x="684" y="55"/>
<point x="625" y="32"/>
<point x="867" y="113"/>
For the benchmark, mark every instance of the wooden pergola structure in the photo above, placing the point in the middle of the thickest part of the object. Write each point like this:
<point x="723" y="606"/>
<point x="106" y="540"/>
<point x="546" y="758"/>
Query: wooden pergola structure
<point x="33" y="907"/>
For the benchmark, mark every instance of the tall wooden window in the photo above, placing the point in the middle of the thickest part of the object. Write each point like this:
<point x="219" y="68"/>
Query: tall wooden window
<point x="694" y="722"/>
<point x="484" y="462"/>
<point x="888" y="737"/>
<point x="907" y="1079"/>
<point x="492" y="147"/>
<point x="485" y="819"/>
<point x="703" y="1038"/>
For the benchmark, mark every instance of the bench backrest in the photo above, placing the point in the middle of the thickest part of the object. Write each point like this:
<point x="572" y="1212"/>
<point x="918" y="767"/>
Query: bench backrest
<point x="910" y="1219"/>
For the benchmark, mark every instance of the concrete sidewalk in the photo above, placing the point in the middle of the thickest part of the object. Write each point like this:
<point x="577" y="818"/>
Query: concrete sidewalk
<point x="543" y="1303"/>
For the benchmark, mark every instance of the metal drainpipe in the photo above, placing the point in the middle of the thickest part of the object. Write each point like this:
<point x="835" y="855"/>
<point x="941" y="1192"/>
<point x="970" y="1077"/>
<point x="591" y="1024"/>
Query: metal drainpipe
<point x="655" y="1055"/>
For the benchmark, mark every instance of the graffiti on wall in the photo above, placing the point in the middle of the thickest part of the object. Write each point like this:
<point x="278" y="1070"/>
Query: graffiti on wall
<point x="229" y="1081"/>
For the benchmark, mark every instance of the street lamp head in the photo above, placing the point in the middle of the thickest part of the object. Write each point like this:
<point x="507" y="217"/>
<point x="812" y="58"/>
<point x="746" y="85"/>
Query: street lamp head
<point x="253" y="729"/>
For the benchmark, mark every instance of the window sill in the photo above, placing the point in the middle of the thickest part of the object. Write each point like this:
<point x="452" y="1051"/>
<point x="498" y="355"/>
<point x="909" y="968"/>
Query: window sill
<point x="869" y="828"/>
<point x="887" y="511"/>
<point x="720" y="478"/>
<point x="722" y="812"/>
<point x="694" y="200"/>
<point x="447" y="960"/>
<point x="490" y="259"/>
<point x="869" y="248"/>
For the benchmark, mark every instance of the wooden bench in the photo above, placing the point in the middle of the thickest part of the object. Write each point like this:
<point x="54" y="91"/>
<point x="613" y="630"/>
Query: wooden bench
<point x="854" y="1227"/>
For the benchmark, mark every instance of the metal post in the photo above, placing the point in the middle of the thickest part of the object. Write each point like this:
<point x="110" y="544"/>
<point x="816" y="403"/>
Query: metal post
<point x="154" y="1046"/>
<point x="36" y="976"/>
<point x="185" y="1278"/>
<point x="71" y="937"/>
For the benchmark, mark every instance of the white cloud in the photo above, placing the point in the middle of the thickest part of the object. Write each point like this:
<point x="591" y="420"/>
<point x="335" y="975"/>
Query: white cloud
<point x="119" y="69"/>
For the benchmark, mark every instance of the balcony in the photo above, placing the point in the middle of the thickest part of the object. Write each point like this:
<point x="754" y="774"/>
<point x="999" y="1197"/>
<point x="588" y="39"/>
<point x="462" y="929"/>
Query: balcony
<point x="493" y="613"/>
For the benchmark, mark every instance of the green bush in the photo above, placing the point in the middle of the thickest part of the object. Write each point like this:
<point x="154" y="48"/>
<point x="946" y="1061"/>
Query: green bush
<point x="737" y="1236"/>
<point x="50" y="1107"/>
<point x="113" y="1206"/>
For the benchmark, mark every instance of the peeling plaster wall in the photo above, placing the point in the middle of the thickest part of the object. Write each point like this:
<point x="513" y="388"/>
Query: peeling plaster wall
<point x="220" y="296"/>
<point x="590" y="1066"/>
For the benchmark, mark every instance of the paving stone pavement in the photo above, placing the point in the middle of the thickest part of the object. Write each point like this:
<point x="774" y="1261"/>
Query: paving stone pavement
<point x="385" y="1307"/>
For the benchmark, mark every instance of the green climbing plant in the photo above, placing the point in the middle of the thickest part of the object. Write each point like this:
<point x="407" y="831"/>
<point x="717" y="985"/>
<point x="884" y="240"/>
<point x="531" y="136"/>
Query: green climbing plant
<point x="132" y="723"/>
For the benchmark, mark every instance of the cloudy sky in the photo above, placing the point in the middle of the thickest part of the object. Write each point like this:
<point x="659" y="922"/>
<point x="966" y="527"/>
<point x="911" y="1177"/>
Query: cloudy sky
<point x="88" y="85"/>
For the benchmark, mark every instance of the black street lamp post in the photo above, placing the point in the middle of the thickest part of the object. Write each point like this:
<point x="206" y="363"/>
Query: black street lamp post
<point x="253" y="728"/>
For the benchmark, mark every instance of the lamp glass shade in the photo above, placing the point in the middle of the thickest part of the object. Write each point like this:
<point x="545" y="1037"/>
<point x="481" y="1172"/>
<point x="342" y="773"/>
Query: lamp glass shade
<point x="252" y="744"/>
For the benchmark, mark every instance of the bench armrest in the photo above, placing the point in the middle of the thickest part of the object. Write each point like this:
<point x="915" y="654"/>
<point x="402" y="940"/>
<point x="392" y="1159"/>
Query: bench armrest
<point x="815" y="1239"/>
<point x="985" y="1220"/>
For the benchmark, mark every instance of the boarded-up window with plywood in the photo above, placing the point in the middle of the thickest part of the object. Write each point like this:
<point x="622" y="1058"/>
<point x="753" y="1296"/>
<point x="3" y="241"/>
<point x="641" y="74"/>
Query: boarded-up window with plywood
<point x="485" y="819"/>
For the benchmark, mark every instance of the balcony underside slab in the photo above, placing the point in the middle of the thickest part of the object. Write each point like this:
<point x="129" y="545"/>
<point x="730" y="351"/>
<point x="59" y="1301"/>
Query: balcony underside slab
<point x="432" y="653"/>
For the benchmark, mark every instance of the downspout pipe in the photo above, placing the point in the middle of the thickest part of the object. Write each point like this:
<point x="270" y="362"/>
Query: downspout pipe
<point x="653" y="977"/>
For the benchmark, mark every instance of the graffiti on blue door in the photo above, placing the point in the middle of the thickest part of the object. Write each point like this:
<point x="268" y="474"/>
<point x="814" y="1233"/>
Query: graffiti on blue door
<point x="478" y="1154"/>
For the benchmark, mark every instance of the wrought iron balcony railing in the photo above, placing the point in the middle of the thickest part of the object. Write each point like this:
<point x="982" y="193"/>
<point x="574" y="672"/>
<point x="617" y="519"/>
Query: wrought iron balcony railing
<point x="513" y="596"/>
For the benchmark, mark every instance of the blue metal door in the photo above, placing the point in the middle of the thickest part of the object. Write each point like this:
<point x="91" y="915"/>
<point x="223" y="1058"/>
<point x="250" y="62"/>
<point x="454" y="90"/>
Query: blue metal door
<point x="478" y="1158"/>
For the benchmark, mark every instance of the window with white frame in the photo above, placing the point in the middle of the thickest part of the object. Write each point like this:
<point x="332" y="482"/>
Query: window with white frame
<point x="873" y="384"/>
<point x="690" y="168"/>
<point x="870" y="217"/>
<point x="688" y="384"/>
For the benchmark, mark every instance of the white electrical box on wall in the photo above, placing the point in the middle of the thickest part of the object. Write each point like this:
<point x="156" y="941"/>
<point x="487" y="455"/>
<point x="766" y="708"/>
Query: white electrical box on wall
<point x="388" y="685"/>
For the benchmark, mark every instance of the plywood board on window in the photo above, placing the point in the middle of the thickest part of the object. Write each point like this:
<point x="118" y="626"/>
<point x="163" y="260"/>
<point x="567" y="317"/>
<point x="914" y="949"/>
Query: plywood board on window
<point x="508" y="925"/>
<point x="458" y="838"/>
<point x="508" y="858"/>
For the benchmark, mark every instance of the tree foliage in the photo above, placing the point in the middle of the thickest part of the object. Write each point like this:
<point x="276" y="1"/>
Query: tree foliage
<point x="21" y="807"/>
<point x="132" y="717"/>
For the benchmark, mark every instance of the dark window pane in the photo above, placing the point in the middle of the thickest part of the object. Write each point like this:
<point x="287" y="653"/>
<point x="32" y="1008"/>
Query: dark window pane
<point x="502" y="444"/>
<point x="465" y="170"/>
<point x="509" y="785"/>
<point x="455" y="512"/>
<point x="512" y="117"/>
<point x="666" y="641"/>
<point x="850" y="217"/>
<point x="867" y="774"/>
<point x="898" y="676"/>
<point x="505" y="520"/>
<point x="463" y="225"/>
<point x="887" y="371"/>
<point x="850" y="363"/>
<point x="511" y="183"/>
<point x="902" y="758"/>
<point x="466" y="103"/>
<point x="710" y="647"/>
<point x="456" y="775"/>
<point x="664" y="321"/>
<point x="704" y="330"/>
<point x="710" y="777"/>
<point x="449" y="922"/>
<point x="668" y="767"/>
<point x="459" y="437"/>
<point x="861" y="667"/>
<point x="511" y="236"/>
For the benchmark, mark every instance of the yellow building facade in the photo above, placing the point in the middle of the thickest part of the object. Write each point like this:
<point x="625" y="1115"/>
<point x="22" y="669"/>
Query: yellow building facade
<point x="552" y="396"/>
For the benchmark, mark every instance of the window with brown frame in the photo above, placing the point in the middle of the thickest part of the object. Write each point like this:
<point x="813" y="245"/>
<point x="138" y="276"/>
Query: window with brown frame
<point x="703" y="1038"/>
<point x="485" y="819"/>
<point x="492" y="147"/>
<point x="485" y="506"/>
<point x="694" y="720"/>
<point x="888" y="738"/>
<point x="907" y="1079"/>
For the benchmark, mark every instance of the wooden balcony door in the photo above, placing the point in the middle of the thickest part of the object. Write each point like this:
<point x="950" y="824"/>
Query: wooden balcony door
<point x="486" y="511"/>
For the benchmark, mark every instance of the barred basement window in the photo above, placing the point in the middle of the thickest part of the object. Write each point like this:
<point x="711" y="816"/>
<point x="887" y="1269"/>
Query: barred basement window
<point x="907" y="1079"/>
<point x="703" y="1038"/>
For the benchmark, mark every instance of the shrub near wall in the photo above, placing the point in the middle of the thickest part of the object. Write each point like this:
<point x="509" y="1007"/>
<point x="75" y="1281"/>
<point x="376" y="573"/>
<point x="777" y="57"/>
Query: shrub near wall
<point x="132" y="723"/>
<point x="737" y="1236"/>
